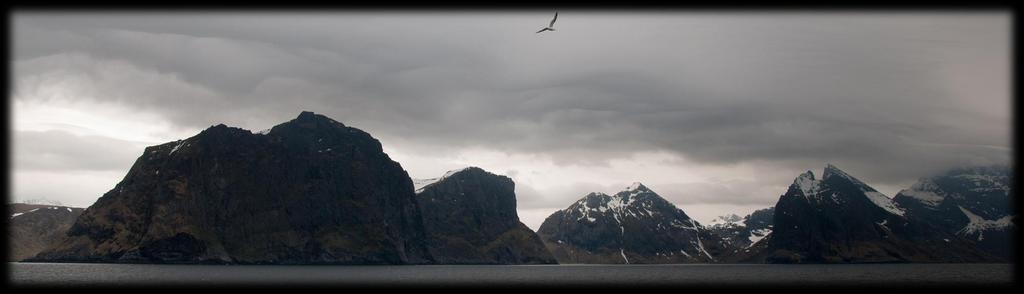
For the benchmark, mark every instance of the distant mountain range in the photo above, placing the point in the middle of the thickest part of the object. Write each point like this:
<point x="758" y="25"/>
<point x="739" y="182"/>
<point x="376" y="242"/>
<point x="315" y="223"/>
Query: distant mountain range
<point x="741" y="233"/>
<point x="314" y="191"/>
<point x="840" y="219"/>
<point x="33" y="227"/>
<point x="972" y="203"/>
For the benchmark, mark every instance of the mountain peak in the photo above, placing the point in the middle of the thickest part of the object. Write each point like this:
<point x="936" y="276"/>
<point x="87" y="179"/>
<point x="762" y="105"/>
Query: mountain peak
<point x="731" y="218"/>
<point x="807" y="184"/>
<point x="220" y="130"/>
<point x="807" y="174"/>
<point x="421" y="184"/>
<point x="308" y="117"/>
<point x="456" y="171"/>
<point x="306" y="114"/>
<point x="334" y="177"/>
<point x="636" y="186"/>
<point x="635" y="225"/>
<point x="308" y="123"/>
<point x="832" y="170"/>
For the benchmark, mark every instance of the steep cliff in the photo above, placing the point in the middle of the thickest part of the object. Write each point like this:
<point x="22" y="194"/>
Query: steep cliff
<point x="309" y="191"/>
<point x="470" y="217"/>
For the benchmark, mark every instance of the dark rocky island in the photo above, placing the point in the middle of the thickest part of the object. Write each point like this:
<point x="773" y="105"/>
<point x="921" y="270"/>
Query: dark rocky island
<point x="470" y="218"/>
<point x="309" y="191"/>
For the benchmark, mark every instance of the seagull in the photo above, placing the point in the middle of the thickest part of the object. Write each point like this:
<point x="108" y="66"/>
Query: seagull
<point x="551" y="27"/>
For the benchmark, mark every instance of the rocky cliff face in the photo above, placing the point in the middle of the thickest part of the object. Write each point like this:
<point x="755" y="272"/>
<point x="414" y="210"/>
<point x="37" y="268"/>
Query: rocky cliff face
<point x="974" y="203"/>
<point x="632" y="226"/>
<point x="470" y="218"/>
<point x="839" y="219"/>
<point x="309" y="191"/>
<point x="34" y="227"/>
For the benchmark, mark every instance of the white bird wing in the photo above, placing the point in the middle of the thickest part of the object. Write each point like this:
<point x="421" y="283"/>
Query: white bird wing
<point x="553" y="20"/>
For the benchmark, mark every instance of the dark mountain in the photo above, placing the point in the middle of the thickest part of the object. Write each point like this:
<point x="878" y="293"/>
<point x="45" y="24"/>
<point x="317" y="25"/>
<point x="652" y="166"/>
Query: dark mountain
<point x="974" y="203"/>
<point x="632" y="226"/>
<point x="739" y="232"/>
<point x="839" y="219"/>
<point x="309" y="191"/>
<point x="34" y="227"/>
<point x="470" y="217"/>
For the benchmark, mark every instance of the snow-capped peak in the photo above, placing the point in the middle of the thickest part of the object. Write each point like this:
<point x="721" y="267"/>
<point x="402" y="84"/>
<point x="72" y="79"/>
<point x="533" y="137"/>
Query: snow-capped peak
<point x="807" y="184"/>
<point x="876" y="197"/>
<point x="812" y="187"/>
<point x="924" y="191"/>
<point x="832" y="170"/>
<point x="636" y="186"/>
<point x="727" y="220"/>
<point x="623" y="204"/>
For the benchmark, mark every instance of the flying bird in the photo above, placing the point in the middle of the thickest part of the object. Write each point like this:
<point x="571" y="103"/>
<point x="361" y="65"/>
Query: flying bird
<point x="551" y="27"/>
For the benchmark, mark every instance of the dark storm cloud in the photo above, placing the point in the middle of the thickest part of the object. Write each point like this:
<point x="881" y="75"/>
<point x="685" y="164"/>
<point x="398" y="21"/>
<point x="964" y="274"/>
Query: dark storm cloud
<point x="893" y="96"/>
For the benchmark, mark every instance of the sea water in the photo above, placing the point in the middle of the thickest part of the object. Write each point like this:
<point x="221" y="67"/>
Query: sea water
<point x="74" y="274"/>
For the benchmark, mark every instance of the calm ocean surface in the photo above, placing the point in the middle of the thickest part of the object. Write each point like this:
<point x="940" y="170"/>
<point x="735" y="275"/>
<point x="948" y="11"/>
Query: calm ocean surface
<point x="68" y="274"/>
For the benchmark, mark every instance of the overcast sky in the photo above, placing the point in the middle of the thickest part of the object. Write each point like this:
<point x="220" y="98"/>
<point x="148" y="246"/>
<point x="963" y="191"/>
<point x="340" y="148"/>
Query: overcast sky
<point x="718" y="112"/>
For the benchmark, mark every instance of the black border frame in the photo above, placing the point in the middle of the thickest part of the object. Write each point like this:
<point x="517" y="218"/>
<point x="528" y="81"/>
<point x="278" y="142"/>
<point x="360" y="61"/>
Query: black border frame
<point x="730" y="6"/>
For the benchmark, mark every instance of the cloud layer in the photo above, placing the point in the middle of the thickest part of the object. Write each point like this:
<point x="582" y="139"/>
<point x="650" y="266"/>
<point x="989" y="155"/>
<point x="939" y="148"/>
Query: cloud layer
<point x="888" y="96"/>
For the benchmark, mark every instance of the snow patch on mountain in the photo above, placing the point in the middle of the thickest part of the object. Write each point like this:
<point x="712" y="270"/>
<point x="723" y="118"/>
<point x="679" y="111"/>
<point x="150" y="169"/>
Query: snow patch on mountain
<point x="420" y="184"/>
<point x="979" y="224"/>
<point x="927" y="198"/>
<point x="180" y="142"/>
<point x="807" y="184"/>
<point x="42" y="202"/>
<point x="727" y="221"/>
<point x="985" y="182"/>
<point x="21" y="213"/>
<point x="699" y="243"/>
<point x="884" y="202"/>
<point x="584" y="210"/>
<point x="812" y="188"/>
<point x="757" y="235"/>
